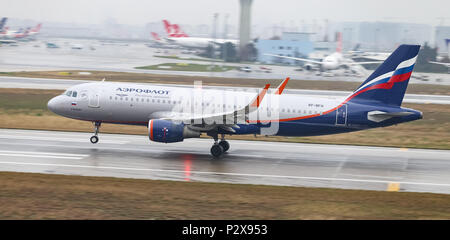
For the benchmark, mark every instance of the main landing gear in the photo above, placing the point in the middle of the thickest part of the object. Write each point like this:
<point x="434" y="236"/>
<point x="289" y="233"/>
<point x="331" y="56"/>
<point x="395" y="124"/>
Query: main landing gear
<point x="221" y="147"/>
<point x="94" y="139"/>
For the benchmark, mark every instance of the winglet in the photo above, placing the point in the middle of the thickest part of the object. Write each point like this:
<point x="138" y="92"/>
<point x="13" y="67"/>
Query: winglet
<point x="260" y="97"/>
<point x="281" y="87"/>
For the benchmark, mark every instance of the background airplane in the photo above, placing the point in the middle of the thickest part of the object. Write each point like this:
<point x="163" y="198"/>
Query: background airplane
<point x="177" y="36"/>
<point x="175" y="113"/>
<point x="21" y="34"/>
<point x="334" y="61"/>
<point x="4" y="32"/>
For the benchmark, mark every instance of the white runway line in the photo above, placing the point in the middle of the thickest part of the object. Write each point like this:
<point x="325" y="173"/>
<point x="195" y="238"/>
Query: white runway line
<point x="231" y="174"/>
<point x="42" y="155"/>
<point x="58" y="139"/>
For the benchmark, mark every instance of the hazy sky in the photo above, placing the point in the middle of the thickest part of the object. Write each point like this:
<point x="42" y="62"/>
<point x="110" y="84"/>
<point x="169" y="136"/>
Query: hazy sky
<point x="201" y="11"/>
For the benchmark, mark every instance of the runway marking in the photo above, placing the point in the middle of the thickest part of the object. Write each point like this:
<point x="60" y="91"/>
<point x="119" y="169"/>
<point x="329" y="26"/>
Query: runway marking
<point x="226" y="174"/>
<point x="393" y="187"/>
<point x="38" y="156"/>
<point x="45" y="153"/>
<point x="365" y="175"/>
<point x="59" y="139"/>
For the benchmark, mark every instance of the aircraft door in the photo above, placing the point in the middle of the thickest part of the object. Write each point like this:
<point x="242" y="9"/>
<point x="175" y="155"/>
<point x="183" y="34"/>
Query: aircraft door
<point x="94" y="99"/>
<point x="341" y="115"/>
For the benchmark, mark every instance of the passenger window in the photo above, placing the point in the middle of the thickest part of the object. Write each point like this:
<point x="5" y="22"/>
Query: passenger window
<point x="74" y="94"/>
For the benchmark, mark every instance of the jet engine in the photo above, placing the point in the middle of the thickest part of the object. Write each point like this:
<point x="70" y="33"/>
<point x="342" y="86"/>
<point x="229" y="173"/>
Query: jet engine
<point x="168" y="132"/>
<point x="309" y="67"/>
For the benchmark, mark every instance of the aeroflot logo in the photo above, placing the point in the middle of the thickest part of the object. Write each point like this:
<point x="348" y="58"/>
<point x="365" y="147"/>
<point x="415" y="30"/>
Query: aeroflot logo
<point x="140" y="90"/>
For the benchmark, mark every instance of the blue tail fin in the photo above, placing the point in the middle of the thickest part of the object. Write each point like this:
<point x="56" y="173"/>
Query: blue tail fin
<point x="388" y="83"/>
<point x="3" y="22"/>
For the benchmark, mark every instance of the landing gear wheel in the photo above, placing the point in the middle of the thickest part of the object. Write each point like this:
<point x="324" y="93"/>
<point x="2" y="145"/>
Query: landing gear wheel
<point x="94" y="139"/>
<point x="216" y="150"/>
<point x="225" y="145"/>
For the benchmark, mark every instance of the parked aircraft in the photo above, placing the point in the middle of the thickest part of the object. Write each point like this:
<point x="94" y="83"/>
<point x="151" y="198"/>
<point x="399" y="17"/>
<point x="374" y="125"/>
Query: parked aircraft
<point x="174" y="113"/>
<point x="4" y="31"/>
<point x="177" y="36"/>
<point x="21" y="34"/>
<point x="442" y="63"/>
<point x="333" y="61"/>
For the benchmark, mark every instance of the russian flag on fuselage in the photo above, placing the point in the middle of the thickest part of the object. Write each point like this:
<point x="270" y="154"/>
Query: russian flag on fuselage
<point x="388" y="83"/>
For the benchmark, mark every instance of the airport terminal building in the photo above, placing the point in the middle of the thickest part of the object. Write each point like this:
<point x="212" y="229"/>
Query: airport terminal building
<point x="291" y="44"/>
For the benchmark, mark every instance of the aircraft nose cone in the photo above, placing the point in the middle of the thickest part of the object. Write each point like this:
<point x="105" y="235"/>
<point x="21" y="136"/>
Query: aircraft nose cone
<point x="52" y="105"/>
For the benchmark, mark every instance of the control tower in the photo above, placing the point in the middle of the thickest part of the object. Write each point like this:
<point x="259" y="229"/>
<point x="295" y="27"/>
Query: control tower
<point x="244" y="25"/>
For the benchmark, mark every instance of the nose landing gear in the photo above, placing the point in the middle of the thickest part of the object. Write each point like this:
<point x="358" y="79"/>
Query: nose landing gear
<point x="94" y="139"/>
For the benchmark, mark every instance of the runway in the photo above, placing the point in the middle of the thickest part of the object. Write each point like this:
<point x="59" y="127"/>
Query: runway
<point x="62" y="84"/>
<point x="248" y="162"/>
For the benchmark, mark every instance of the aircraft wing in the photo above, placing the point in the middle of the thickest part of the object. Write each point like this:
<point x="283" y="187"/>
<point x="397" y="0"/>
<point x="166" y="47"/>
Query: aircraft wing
<point x="294" y="58"/>
<point x="362" y="63"/>
<point x="440" y="63"/>
<point x="223" y="119"/>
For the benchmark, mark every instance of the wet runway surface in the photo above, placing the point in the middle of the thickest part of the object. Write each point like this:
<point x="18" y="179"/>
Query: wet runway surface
<point x="248" y="162"/>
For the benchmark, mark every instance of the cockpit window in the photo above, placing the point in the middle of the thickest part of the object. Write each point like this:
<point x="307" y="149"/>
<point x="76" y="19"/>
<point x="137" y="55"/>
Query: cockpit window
<point x="74" y="94"/>
<point x="69" y="93"/>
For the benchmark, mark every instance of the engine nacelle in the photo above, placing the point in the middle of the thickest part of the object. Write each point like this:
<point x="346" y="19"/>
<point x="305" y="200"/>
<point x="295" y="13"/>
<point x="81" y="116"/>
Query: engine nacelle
<point x="169" y="132"/>
<point x="308" y="67"/>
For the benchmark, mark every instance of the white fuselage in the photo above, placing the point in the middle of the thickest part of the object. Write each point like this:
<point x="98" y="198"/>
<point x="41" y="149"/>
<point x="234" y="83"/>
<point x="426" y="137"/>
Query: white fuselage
<point x="138" y="103"/>
<point x="333" y="61"/>
<point x="196" y="42"/>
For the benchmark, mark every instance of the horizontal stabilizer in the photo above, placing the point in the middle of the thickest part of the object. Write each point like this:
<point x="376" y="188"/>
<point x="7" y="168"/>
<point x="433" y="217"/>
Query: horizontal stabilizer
<point x="379" y="116"/>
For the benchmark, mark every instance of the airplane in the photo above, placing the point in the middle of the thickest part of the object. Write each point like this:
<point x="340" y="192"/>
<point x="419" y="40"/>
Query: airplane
<point x="333" y="61"/>
<point x="177" y="36"/>
<point x="4" y="31"/>
<point x="20" y="34"/>
<point x="2" y="23"/>
<point x="34" y="31"/>
<point x="442" y="63"/>
<point x="173" y="113"/>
